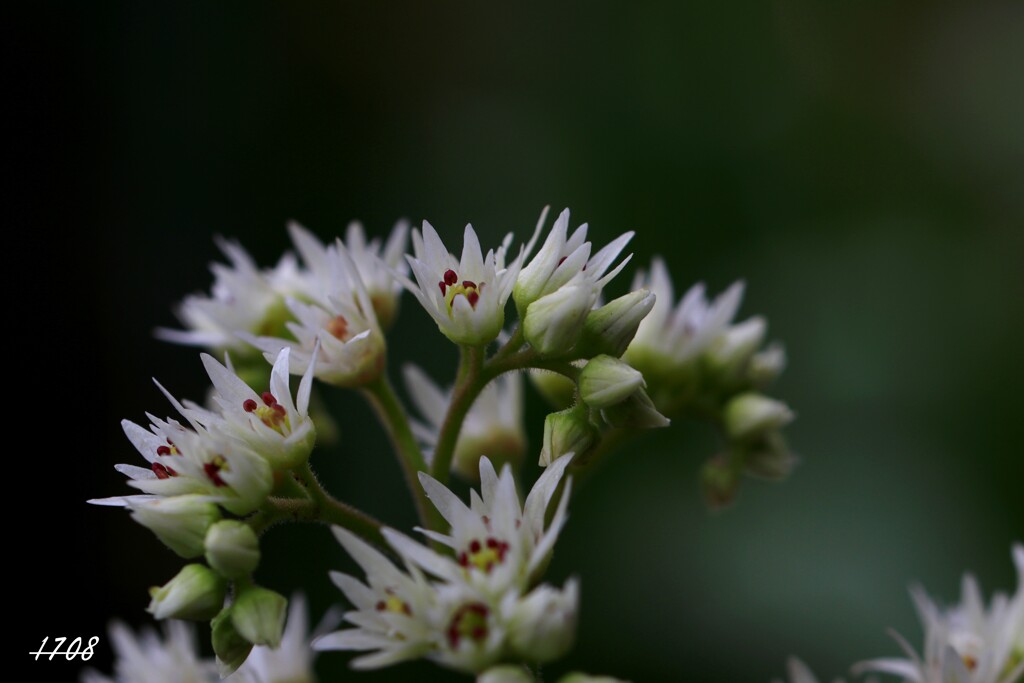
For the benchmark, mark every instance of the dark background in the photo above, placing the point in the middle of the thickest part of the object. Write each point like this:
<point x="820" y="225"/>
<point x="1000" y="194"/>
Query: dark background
<point x="860" y="165"/>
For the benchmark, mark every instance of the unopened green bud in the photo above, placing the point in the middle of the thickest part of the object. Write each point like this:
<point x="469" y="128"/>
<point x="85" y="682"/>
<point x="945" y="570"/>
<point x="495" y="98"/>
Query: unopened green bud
<point x="611" y="328"/>
<point x="542" y="625"/>
<point x="556" y="388"/>
<point x="568" y="431"/>
<point x="766" y="365"/>
<point x="180" y="522"/>
<point x="750" y="415"/>
<point x="232" y="548"/>
<point x="719" y="482"/>
<point x="770" y="457"/>
<point x="605" y="381"/>
<point x="196" y="593"/>
<point x="505" y="673"/>
<point x="636" y="412"/>
<point x="228" y="644"/>
<point x="554" y="323"/>
<point x="258" y="614"/>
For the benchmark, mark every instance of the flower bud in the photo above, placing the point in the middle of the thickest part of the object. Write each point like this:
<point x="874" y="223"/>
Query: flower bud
<point x="770" y="458"/>
<point x="750" y="415"/>
<point x="568" y="431"/>
<point x="766" y="365"/>
<point x="738" y="343"/>
<point x="606" y="381"/>
<point x="180" y="522"/>
<point x="228" y="644"/>
<point x="543" y="624"/>
<point x="611" y="328"/>
<point x="553" y="323"/>
<point x="196" y="593"/>
<point x="505" y="673"/>
<point x="258" y="615"/>
<point x="557" y="389"/>
<point x="232" y="548"/>
<point x="719" y="481"/>
<point x="636" y="412"/>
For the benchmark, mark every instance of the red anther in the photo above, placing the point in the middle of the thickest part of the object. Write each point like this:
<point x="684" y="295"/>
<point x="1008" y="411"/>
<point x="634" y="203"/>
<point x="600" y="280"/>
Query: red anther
<point x="163" y="450"/>
<point x="381" y="606"/>
<point x="560" y="261"/>
<point x="473" y="297"/>
<point x="162" y="472"/>
<point x="338" y="327"/>
<point x="463" y="560"/>
<point x="407" y="609"/>
<point x="469" y="284"/>
<point x="268" y="398"/>
<point x="444" y="288"/>
<point x="212" y="471"/>
<point x="474" y="546"/>
<point x="249" y="405"/>
<point x="491" y="543"/>
<point x="450" y="278"/>
<point x="278" y="408"/>
<point x="487" y="521"/>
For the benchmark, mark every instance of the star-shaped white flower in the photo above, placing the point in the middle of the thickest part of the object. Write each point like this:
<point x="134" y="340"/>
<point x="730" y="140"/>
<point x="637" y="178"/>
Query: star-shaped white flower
<point x="494" y="425"/>
<point x="219" y="468"/>
<point x="968" y="642"/>
<point x="272" y="424"/>
<point x="564" y="257"/>
<point x="466" y="297"/>
<point x="499" y="544"/>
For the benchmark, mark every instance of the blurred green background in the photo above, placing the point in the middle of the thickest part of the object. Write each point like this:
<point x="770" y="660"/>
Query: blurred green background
<point x="860" y="165"/>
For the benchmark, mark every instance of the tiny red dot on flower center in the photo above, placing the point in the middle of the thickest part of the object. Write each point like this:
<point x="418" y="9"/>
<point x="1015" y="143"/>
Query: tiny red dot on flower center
<point x="249" y="405"/>
<point x="338" y="327"/>
<point x="213" y="469"/>
<point x="450" y="278"/>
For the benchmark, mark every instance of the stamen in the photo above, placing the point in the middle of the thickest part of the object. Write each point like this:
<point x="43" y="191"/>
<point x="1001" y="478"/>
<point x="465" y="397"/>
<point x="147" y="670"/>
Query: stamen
<point x="450" y="278"/>
<point x="443" y="287"/>
<point x="163" y="472"/>
<point x="249" y="405"/>
<point x="338" y="327"/>
<point x="213" y="469"/>
<point x="163" y="450"/>
<point x="469" y="284"/>
<point x="468" y="621"/>
<point x="472" y="297"/>
<point x="268" y="398"/>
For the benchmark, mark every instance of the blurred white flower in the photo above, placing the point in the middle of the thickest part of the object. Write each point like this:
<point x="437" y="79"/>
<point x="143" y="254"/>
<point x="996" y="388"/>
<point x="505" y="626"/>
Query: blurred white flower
<point x="494" y="425"/>
<point x="341" y="322"/>
<point x="968" y="642"/>
<point x="242" y="299"/>
<point x="148" y="658"/>
<point x="799" y="673"/>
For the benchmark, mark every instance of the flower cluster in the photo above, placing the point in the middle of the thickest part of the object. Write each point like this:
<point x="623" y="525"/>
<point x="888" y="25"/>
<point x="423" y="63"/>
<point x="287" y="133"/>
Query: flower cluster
<point x="470" y="597"/>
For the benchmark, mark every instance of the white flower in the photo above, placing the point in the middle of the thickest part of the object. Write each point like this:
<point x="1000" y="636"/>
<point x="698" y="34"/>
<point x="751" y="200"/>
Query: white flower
<point x="494" y="425"/>
<point x="193" y="461"/>
<point x="271" y="424"/>
<point x="342" y="324"/>
<point x="967" y="643"/>
<point x="292" y="660"/>
<point x="394" y="609"/>
<point x="670" y="337"/>
<point x="799" y="673"/>
<point x="542" y="625"/>
<point x="148" y="658"/>
<point x="563" y="257"/>
<point x="242" y="299"/>
<point x="374" y="261"/>
<point x="499" y="544"/>
<point x="466" y="297"/>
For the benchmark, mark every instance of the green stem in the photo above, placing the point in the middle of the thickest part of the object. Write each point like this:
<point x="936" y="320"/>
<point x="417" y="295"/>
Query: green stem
<point x="468" y="385"/>
<point x="514" y="343"/>
<point x="392" y="415"/>
<point x="329" y="511"/>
